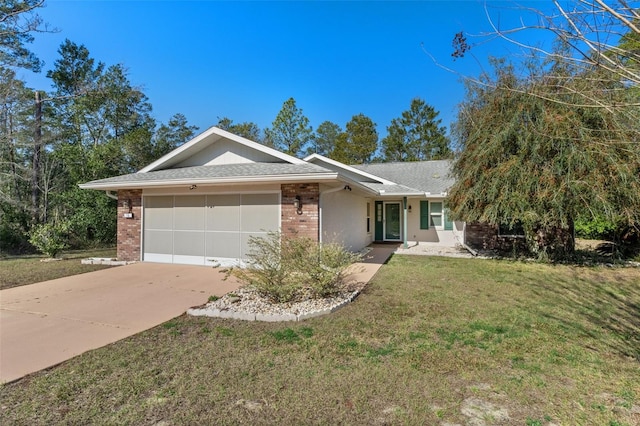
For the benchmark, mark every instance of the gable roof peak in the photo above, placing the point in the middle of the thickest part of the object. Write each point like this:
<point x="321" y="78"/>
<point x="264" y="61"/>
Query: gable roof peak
<point x="211" y="136"/>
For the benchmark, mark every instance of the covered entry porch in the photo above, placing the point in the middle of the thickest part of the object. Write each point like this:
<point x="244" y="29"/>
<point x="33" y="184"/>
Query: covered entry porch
<point x="408" y="221"/>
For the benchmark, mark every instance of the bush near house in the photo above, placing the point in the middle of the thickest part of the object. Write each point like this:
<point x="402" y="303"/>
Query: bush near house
<point x="50" y="238"/>
<point x="287" y="269"/>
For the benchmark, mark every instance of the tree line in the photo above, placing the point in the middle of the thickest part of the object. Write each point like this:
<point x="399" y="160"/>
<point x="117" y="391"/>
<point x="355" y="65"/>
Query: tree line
<point x="417" y="135"/>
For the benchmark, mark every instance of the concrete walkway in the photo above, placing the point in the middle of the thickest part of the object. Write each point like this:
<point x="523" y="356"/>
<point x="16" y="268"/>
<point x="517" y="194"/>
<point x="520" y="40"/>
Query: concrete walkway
<point x="46" y="323"/>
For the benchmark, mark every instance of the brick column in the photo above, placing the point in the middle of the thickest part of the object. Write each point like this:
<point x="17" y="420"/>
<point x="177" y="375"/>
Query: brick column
<point x="305" y="224"/>
<point x="129" y="228"/>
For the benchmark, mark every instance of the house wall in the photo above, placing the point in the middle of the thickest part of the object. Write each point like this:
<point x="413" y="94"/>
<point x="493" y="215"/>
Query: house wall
<point x="344" y="219"/>
<point x="483" y="236"/>
<point x="129" y="229"/>
<point x="431" y="235"/>
<point x="305" y="224"/>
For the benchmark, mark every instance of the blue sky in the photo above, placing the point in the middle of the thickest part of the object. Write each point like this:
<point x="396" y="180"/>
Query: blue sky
<point x="242" y="60"/>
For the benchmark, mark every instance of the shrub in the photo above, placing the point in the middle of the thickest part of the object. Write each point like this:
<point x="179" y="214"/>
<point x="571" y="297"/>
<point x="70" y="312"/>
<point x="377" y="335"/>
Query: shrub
<point x="597" y="228"/>
<point x="50" y="238"/>
<point x="287" y="269"/>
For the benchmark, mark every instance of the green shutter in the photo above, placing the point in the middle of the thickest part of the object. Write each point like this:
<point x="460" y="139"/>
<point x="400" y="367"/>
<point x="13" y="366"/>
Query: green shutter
<point x="424" y="214"/>
<point x="377" y="214"/>
<point x="448" y="225"/>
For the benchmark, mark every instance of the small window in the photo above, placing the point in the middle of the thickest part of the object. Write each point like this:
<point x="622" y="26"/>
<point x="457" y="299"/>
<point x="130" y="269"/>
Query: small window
<point x="511" y="230"/>
<point x="368" y="218"/>
<point x="435" y="215"/>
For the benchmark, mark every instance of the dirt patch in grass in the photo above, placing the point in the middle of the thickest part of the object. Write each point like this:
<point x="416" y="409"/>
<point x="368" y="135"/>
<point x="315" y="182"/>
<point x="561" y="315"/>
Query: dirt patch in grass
<point x="430" y="341"/>
<point x="23" y="270"/>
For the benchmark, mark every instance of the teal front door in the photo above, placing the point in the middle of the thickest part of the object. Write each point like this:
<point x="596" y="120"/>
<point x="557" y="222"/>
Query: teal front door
<point x="392" y="222"/>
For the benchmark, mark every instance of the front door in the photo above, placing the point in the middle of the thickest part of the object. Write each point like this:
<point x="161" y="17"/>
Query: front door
<point x="392" y="222"/>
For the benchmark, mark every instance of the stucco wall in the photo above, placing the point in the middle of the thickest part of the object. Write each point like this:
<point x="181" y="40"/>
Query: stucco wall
<point x="344" y="219"/>
<point x="431" y="235"/>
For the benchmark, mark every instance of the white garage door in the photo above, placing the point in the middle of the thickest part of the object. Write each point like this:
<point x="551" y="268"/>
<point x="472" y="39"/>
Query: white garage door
<point x="206" y="229"/>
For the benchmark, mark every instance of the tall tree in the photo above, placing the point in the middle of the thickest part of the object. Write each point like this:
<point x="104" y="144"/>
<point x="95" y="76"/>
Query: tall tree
<point x="291" y="130"/>
<point x="18" y="20"/>
<point x="170" y="136"/>
<point x="540" y="162"/>
<point x="16" y="144"/>
<point x="248" y="129"/>
<point x="358" y="143"/>
<point x="103" y="128"/>
<point x="416" y="135"/>
<point x="325" y="138"/>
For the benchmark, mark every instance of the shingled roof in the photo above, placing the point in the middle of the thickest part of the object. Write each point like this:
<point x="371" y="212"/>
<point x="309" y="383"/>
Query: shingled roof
<point x="422" y="176"/>
<point x="212" y="174"/>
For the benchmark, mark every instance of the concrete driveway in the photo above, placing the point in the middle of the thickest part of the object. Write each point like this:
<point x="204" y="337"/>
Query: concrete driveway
<point x="46" y="323"/>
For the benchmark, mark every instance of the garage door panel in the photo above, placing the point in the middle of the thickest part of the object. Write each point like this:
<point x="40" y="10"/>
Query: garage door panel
<point x="189" y="212"/>
<point x="194" y="229"/>
<point x="158" y="212"/>
<point x="223" y="244"/>
<point x="223" y="213"/>
<point x="158" y="241"/>
<point x="188" y="243"/>
<point x="260" y="212"/>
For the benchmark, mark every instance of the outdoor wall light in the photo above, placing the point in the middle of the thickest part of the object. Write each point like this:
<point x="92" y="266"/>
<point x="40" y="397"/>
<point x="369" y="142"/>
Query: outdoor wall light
<point x="409" y="208"/>
<point x="126" y="204"/>
<point x="192" y="187"/>
<point x="297" y="203"/>
<point x="347" y="188"/>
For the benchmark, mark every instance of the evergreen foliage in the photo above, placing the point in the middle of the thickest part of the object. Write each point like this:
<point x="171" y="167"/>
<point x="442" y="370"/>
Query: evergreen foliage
<point x="416" y="136"/>
<point x="94" y="125"/>
<point x="248" y="130"/>
<point x="291" y="131"/>
<point x="359" y="143"/>
<point x="18" y="20"/>
<point x="325" y="139"/>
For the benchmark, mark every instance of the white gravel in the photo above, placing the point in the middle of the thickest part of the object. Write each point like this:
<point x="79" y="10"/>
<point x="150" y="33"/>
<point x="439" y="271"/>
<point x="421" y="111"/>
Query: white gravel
<point x="247" y="303"/>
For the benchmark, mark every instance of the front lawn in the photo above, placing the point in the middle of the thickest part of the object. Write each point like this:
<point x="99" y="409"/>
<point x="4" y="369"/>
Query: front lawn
<point x="430" y="341"/>
<point x="22" y="270"/>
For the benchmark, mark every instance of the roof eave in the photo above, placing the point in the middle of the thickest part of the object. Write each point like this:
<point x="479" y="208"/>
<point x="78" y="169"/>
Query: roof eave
<point x="307" y="177"/>
<point x="401" y="194"/>
<point x="310" y="158"/>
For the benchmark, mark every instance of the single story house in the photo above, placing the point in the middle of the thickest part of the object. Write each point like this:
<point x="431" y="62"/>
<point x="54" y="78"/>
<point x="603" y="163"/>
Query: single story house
<point x="203" y="201"/>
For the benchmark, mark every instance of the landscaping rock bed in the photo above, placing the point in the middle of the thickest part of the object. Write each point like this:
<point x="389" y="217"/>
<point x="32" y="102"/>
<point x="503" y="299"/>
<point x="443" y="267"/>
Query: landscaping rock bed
<point x="105" y="261"/>
<point x="249" y="305"/>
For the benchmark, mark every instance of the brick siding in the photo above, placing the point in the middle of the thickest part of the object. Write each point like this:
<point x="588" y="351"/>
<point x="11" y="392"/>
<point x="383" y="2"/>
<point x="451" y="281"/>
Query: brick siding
<point x="129" y="229"/>
<point x="483" y="236"/>
<point x="305" y="224"/>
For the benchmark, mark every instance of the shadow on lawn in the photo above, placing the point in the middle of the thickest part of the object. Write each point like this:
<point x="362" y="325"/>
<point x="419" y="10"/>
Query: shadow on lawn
<point x="603" y="306"/>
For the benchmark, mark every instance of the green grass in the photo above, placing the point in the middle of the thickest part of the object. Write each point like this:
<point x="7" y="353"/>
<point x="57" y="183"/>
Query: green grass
<point x="428" y="337"/>
<point x="22" y="270"/>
